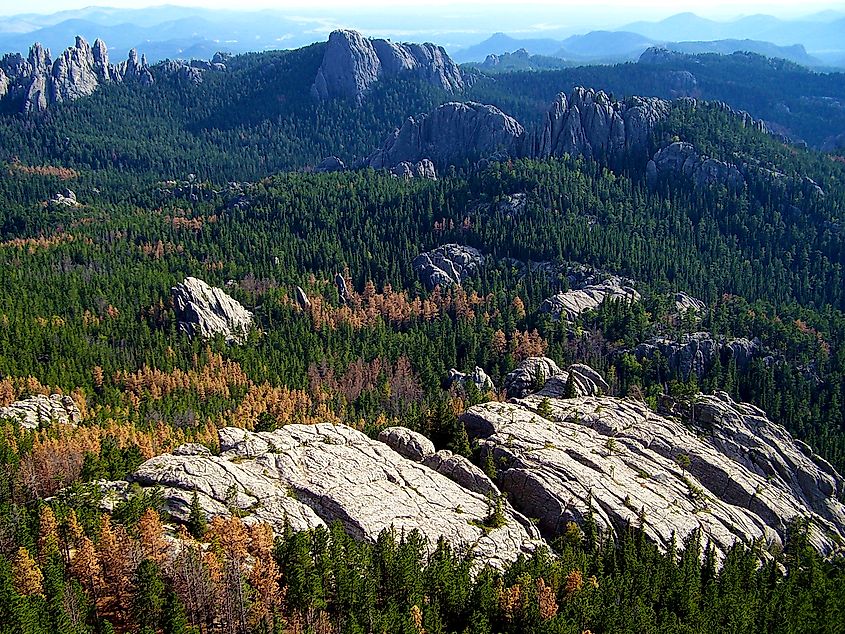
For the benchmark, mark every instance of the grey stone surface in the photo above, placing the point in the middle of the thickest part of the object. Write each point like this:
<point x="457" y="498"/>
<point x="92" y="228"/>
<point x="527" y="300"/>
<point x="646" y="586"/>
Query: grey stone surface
<point x="478" y="378"/>
<point x="695" y="353"/>
<point x="302" y="298"/>
<point x="407" y="443"/>
<point x="41" y="409"/>
<point x="422" y="169"/>
<point x="38" y="81"/>
<point x="570" y="304"/>
<point x="311" y="475"/>
<point x="588" y="123"/>
<point x="451" y="133"/>
<point x="745" y="477"/>
<point x="447" y="265"/>
<point x="530" y="374"/>
<point x="352" y="63"/>
<point x="206" y="311"/>
<point x="681" y="158"/>
<point x="684" y="303"/>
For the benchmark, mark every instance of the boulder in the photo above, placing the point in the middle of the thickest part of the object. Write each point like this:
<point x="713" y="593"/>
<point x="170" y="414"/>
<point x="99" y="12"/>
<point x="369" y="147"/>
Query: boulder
<point x="311" y="475"/>
<point x="447" y="265"/>
<point x="206" y="311"/>
<point x="352" y="63"/>
<point x="708" y="464"/>
<point x="478" y="378"/>
<point x="41" y="409"/>
<point x="407" y="443"/>
<point x="302" y="299"/>
<point x="685" y="303"/>
<point x="530" y="375"/>
<point x="342" y="288"/>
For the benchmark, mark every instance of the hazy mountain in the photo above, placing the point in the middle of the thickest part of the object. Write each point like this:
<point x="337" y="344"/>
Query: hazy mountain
<point x="499" y="43"/>
<point x="615" y="45"/>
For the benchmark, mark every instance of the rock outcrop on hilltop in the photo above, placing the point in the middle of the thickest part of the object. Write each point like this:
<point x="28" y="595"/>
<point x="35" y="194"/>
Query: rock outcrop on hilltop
<point x="452" y="133"/>
<point x="312" y="475"/>
<point x="693" y="354"/>
<point x="478" y="377"/>
<point x="35" y="410"/>
<point x="711" y="464"/>
<point x="681" y="158"/>
<point x="570" y="304"/>
<point x="588" y="123"/>
<point x="38" y="81"/>
<point x="206" y="311"/>
<point x="448" y="265"/>
<point x="352" y="63"/>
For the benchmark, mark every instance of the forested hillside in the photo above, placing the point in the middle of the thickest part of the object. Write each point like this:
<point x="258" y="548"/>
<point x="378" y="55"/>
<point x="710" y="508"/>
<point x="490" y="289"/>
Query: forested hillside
<point x="214" y="180"/>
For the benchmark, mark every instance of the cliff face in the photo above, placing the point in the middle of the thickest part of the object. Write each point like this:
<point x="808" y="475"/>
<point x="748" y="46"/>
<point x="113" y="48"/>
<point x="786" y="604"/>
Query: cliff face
<point x="38" y="81"/>
<point x="352" y="63"/>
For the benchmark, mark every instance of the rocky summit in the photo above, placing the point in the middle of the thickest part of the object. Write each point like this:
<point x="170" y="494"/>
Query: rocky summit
<point x="206" y="311"/>
<point x="589" y="123"/>
<point x="352" y="63"/>
<point x="452" y="133"/>
<point x="709" y="464"/>
<point x="312" y="475"/>
<point x="35" y="83"/>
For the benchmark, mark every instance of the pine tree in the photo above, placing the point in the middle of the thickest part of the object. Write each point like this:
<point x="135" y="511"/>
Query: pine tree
<point x="197" y="522"/>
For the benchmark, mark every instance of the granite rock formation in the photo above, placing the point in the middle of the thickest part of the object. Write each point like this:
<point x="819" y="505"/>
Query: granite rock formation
<point x="352" y="63"/>
<point x="206" y="311"/>
<point x="588" y="123"/>
<point x="694" y="354"/>
<point x="681" y="158"/>
<point x="35" y="83"/>
<point x="570" y="304"/>
<point x="479" y="378"/>
<point x="447" y="265"/>
<point x="41" y="409"/>
<point x="452" y="133"/>
<point x="311" y="475"/>
<point x="711" y="464"/>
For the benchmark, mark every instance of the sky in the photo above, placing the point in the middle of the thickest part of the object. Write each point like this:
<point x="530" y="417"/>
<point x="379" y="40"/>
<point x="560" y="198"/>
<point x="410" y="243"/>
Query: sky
<point x="606" y="9"/>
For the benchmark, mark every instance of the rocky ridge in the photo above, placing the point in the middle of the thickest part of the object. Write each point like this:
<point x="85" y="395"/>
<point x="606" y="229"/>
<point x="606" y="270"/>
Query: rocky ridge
<point x="37" y="82"/>
<point x="695" y="353"/>
<point x="352" y="63"/>
<point x="452" y="133"/>
<point x="35" y="410"/>
<point x="312" y="475"/>
<point x="712" y="464"/>
<point x="207" y="311"/>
